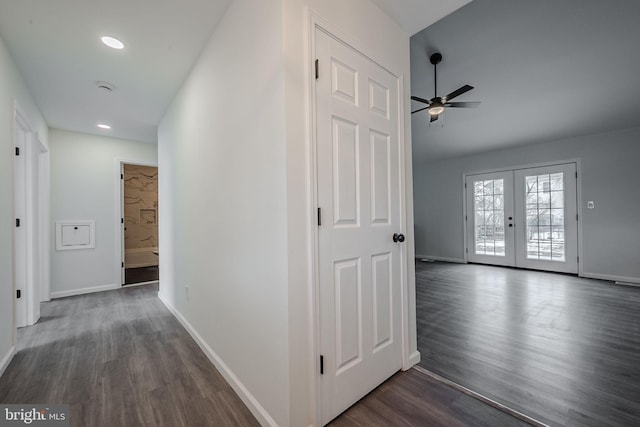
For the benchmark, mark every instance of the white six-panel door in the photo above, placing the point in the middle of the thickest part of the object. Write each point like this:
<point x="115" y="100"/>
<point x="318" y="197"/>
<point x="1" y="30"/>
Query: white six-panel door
<point x="358" y="162"/>
<point x="524" y="218"/>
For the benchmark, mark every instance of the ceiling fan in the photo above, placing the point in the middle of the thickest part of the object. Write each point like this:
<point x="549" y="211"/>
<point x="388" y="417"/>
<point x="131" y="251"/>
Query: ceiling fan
<point x="436" y="105"/>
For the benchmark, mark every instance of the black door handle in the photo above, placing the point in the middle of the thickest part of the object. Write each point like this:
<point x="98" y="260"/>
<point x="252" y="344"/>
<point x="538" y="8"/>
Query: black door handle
<point x="398" y="237"/>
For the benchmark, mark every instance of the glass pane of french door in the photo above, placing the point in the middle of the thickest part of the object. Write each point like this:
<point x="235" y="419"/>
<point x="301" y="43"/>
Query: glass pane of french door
<point x="545" y="198"/>
<point x="488" y="198"/>
<point x="489" y="212"/>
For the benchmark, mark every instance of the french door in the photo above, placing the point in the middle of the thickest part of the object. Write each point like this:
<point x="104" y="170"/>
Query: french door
<point x="524" y="218"/>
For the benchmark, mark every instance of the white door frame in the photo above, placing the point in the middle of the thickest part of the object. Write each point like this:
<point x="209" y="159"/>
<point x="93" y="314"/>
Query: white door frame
<point x="119" y="211"/>
<point x="44" y="211"/>
<point x="578" y="163"/>
<point x="35" y="220"/>
<point x="314" y="23"/>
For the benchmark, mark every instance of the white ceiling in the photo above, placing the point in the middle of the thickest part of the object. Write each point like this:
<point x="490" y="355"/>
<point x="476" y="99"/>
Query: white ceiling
<point x="544" y="70"/>
<point x="56" y="46"/>
<point x="415" y="15"/>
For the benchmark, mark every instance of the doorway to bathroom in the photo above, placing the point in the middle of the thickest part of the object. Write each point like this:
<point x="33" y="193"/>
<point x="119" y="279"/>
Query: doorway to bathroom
<point x="139" y="220"/>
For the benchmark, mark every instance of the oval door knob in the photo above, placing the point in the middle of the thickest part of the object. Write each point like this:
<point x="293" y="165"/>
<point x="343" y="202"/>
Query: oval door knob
<point x="398" y="237"/>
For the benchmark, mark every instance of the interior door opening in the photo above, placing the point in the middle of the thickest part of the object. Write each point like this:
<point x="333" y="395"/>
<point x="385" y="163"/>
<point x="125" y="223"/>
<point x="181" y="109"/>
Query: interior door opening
<point x="139" y="220"/>
<point x="524" y="218"/>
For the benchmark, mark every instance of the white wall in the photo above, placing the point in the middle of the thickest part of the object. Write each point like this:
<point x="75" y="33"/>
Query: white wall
<point x="610" y="177"/>
<point x="12" y="89"/>
<point x="83" y="187"/>
<point x="222" y="197"/>
<point x="382" y="39"/>
<point x="235" y="195"/>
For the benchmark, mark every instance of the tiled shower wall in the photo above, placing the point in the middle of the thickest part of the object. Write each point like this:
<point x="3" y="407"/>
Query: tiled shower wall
<point x="140" y="206"/>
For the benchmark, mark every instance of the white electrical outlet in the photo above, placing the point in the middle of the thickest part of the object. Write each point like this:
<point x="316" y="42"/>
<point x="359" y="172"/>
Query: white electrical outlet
<point x="591" y="204"/>
<point x="186" y="291"/>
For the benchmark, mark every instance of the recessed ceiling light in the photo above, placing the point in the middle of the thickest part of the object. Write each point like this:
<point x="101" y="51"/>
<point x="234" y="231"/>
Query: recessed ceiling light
<point x="112" y="42"/>
<point x="103" y="126"/>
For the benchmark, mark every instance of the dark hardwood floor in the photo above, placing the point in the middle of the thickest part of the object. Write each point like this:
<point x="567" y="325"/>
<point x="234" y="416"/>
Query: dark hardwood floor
<point x="119" y="358"/>
<point x="561" y="349"/>
<point x="141" y="275"/>
<point x="414" y="399"/>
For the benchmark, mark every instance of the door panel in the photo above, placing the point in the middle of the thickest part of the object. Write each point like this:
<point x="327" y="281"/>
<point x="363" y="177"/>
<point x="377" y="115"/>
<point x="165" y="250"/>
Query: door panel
<point x="360" y="279"/>
<point x="346" y="190"/>
<point x="490" y="202"/>
<point x="524" y="218"/>
<point x="348" y="314"/>
<point x="547" y="238"/>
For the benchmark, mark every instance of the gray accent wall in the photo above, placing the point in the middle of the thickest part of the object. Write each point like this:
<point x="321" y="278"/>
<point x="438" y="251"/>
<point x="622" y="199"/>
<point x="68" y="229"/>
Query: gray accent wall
<point x="610" y="177"/>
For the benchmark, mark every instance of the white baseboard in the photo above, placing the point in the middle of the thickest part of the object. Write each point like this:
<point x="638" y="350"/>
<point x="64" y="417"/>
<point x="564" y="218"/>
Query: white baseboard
<point x="7" y="359"/>
<point x="414" y="359"/>
<point x="440" y="258"/>
<point x="72" y="292"/>
<point x="245" y="395"/>
<point x="612" y="278"/>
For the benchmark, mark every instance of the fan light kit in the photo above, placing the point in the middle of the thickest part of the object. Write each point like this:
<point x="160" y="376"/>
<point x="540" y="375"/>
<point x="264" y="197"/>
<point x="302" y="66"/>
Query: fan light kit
<point x="437" y="105"/>
<point x="112" y="42"/>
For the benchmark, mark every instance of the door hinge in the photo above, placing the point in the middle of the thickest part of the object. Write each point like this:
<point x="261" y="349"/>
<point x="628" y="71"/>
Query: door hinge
<point x="17" y="222"/>
<point x="121" y="220"/>
<point x="466" y="218"/>
<point x="578" y="260"/>
<point x="121" y="176"/>
<point x="321" y="365"/>
<point x="576" y="174"/>
<point x="18" y="293"/>
<point x="577" y="217"/>
<point x="319" y="217"/>
<point x="122" y="264"/>
<point x="17" y="151"/>
<point x="465" y="185"/>
<point x="467" y="250"/>
<point x="317" y="66"/>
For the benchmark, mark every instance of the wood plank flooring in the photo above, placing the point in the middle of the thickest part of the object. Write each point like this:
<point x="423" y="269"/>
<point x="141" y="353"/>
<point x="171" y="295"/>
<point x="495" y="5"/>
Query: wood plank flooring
<point x="413" y="399"/>
<point x="119" y="358"/>
<point x="559" y="348"/>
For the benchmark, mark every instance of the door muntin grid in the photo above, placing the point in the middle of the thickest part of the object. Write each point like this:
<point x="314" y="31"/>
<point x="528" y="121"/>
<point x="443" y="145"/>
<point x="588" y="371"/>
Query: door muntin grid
<point x="545" y="217"/>
<point x="488" y="200"/>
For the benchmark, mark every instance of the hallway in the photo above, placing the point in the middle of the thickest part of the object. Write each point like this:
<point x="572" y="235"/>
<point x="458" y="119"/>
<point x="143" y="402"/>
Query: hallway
<point x="119" y="358"/>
